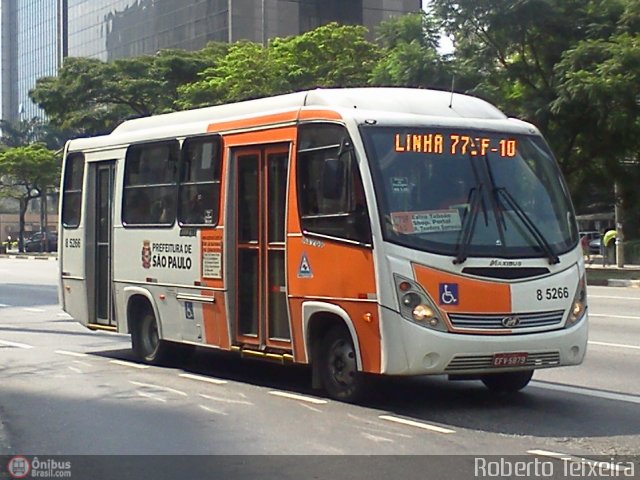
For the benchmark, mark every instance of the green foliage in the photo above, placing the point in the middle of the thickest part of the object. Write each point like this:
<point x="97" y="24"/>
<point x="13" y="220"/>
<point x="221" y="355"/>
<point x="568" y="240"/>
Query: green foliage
<point x="329" y="56"/>
<point x="90" y="97"/>
<point x="26" y="171"/>
<point x="410" y="56"/>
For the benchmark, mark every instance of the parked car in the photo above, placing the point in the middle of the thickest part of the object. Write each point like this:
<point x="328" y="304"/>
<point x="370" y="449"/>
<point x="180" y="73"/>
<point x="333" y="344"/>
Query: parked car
<point x="594" y="246"/>
<point x="36" y="242"/>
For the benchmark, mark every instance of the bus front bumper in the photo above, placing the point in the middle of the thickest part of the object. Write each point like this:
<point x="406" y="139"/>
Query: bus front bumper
<point x="410" y="349"/>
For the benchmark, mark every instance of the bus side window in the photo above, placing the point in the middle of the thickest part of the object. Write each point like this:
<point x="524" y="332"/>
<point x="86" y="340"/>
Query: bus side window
<point x="150" y="184"/>
<point x="72" y="190"/>
<point x="337" y="209"/>
<point x="199" y="190"/>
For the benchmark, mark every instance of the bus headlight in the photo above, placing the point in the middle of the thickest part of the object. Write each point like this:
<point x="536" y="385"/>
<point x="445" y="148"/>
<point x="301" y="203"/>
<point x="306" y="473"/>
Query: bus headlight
<point x="579" y="304"/>
<point x="415" y="304"/>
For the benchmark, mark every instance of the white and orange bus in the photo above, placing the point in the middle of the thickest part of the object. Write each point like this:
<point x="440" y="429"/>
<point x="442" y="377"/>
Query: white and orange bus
<point x="373" y="230"/>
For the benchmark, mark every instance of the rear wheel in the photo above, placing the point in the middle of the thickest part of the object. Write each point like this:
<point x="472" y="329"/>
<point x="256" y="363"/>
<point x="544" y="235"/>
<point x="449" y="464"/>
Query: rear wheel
<point x="338" y="366"/>
<point x="507" y="381"/>
<point x="146" y="341"/>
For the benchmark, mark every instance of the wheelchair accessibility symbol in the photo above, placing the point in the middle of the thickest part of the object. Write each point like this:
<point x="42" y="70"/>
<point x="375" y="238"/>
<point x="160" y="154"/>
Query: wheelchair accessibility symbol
<point x="448" y="293"/>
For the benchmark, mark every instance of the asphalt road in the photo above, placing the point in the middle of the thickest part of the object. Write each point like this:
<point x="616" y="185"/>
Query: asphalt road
<point x="67" y="391"/>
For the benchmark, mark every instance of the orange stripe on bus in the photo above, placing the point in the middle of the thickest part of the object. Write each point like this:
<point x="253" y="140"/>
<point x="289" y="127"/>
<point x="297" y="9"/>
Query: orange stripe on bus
<point x="317" y="114"/>
<point x="254" y="122"/>
<point x="473" y="295"/>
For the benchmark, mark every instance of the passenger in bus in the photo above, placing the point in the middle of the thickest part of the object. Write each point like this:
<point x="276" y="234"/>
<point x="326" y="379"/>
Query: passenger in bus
<point x="196" y="209"/>
<point x="137" y="208"/>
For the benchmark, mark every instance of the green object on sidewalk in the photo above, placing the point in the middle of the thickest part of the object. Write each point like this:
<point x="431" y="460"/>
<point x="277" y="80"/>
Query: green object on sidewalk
<point x="608" y="236"/>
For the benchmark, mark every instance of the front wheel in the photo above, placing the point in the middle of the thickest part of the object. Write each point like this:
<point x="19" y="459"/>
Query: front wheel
<point x="146" y="341"/>
<point x="507" y="382"/>
<point x="338" y="366"/>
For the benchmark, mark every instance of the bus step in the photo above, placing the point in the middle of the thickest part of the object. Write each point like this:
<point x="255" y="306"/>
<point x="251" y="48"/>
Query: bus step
<point x="274" y="357"/>
<point x="99" y="326"/>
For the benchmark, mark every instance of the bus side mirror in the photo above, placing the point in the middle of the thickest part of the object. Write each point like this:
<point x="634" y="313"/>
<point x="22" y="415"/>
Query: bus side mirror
<point x="333" y="172"/>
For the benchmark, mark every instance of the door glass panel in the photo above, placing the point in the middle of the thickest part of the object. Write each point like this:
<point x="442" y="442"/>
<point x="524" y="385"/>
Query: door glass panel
<point x="248" y="288"/>
<point x="104" y="308"/>
<point x="248" y="205"/>
<point x="277" y="196"/>
<point x="278" y="316"/>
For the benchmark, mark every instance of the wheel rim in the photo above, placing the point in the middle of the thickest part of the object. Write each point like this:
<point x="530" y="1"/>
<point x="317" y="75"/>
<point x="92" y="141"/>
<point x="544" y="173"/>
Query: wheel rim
<point x="151" y="339"/>
<point x="342" y="363"/>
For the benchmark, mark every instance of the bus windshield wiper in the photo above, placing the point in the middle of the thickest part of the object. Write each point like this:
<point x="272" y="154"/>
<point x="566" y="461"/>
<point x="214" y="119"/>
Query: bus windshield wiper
<point x="469" y="225"/>
<point x="501" y="192"/>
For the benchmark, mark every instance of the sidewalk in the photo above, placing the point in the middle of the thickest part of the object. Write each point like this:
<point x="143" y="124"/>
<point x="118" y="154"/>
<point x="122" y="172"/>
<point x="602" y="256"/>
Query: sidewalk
<point x="611" y="275"/>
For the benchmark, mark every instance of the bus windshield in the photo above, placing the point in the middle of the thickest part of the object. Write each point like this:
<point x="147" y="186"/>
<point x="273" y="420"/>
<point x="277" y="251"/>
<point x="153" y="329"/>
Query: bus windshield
<point x="470" y="192"/>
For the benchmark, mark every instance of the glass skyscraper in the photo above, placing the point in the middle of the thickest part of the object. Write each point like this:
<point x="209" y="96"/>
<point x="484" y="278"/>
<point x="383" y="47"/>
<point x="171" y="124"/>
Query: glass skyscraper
<point x="36" y="34"/>
<point x="30" y="50"/>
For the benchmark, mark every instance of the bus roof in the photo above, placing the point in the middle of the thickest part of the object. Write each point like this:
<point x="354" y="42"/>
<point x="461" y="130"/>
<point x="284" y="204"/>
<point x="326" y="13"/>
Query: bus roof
<point x="410" y="101"/>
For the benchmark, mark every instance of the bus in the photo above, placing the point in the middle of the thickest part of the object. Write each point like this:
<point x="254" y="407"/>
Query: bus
<point x="388" y="231"/>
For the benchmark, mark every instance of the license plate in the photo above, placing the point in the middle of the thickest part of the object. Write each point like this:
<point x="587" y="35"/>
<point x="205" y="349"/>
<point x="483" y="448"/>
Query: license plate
<point x="510" y="359"/>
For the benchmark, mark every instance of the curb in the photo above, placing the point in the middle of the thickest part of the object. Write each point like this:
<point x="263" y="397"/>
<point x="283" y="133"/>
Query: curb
<point x="613" y="282"/>
<point x="616" y="282"/>
<point x="29" y="257"/>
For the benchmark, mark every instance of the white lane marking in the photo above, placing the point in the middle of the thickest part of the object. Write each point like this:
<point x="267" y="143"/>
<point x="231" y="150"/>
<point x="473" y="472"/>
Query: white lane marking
<point x="309" y="407"/>
<point x="376" y="438"/>
<point x="616" y="345"/>
<point x="35" y="310"/>
<point x="627" y="317"/>
<point x="74" y="369"/>
<point x="128" y="364"/>
<point x="623" y="397"/>
<point x="302" y="398"/>
<point x="614" y="298"/>
<point x="159" y="387"/>
<point x="375" y="427"/>
<point x="200" y="378"/>
<point x="609" y="467"/>
<point x="71" y="354"/>
<point x="152" y="397"/>
<point x="85" y="364"/>
<point x="412" y="423"/>
<point x="225" y="400"/>
<point x="15" y="344"/>
<point x="211" y="410"/>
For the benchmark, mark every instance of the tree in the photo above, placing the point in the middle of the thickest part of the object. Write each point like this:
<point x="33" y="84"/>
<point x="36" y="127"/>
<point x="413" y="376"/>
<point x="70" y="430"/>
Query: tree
<point x="25" y="132"/>
<point x="246" y="71"/>
<point x="410" y="56"/>
<point x="27" y="172"/>
<point x="529" y="57"/>
<point x="329" y="56"/>
<point x="91" y="97"/>
<point x="332" y="55"/>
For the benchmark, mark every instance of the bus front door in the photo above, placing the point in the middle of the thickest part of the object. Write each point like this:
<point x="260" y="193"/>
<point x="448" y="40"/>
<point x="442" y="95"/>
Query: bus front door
<point x="258" y="215"/>
<point x="102" y="176"/>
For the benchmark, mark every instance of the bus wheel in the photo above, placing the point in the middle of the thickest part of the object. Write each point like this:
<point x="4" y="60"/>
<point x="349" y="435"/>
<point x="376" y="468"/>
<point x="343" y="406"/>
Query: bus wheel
<point x="146" y="341"/>
<point x="508" y="381"/>
<point x="338" y="368"/>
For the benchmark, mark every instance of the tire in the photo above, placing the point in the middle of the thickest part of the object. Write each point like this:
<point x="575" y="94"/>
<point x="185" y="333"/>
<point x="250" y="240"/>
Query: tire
<point x="507" y="382"/>
<point x="338" y="366"/>
<point x="147" y="345"/>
